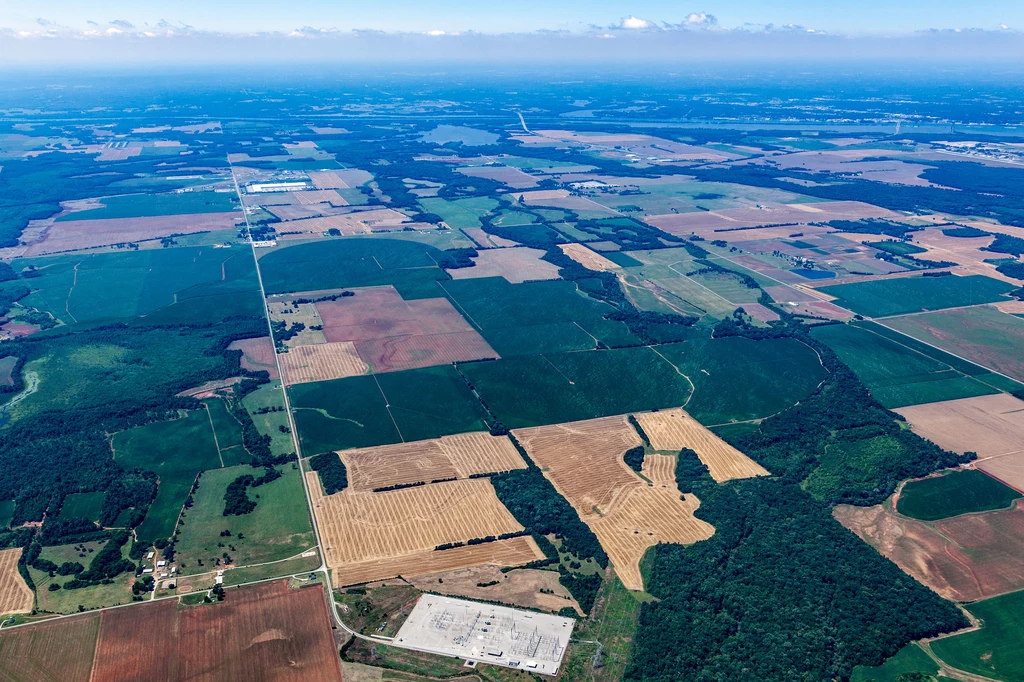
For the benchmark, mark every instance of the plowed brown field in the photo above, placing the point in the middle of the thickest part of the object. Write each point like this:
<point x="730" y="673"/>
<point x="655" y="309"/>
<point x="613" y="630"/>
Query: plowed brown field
<point x="359" y="526"/>
<point x="674" y="430"/>
<point x="990" y="425"/>
<point x="263" y="633"/>
<point x="57" y="651"/>
<point x="584" y="462"/>
<point x="321" y="362"/>
<point x="82" y="234"/>
<point x="510" y="552"/>
<point x="532" y="588"/>
<point x="964" y="558"/>
<point x="257" y="354"/>
<point x="392" y="334"/>
<point x="587" y="258"/>
<point x="517" y="265"/>
<point x="320" y="196"/>
<point x="15" y="595"/>
<point x="458" y="456"/>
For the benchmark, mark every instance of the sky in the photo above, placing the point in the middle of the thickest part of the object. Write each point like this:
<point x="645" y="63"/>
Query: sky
<point x="836" y="16"/>
<point x="187" y="31"/>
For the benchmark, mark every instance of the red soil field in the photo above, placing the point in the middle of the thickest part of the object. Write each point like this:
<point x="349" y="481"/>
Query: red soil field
<point x="392" y="334"/>
<point x="257" y="354"/>
<point x="260" y="633"/>
<point x="57" y="651"/>
<point x="965" y="558"/>
<point x="83" y="234"/>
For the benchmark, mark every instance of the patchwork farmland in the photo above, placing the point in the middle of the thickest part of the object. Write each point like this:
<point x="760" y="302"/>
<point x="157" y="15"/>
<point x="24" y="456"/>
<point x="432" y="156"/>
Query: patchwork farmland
<point x="448" y="457"/>
<point x="675" y="430"/>
<point x="584" y="462"/>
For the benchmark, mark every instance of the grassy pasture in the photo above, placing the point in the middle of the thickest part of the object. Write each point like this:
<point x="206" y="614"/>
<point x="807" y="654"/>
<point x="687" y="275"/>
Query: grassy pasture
<point x="176" y="450"/>
<point x="994" y="650"/>
<point x="983" y="335"/>
<point x="952" y="494"/>
<point x="268" y="423"/>
<point x="277" y="529"/>
<point x="83" y="505"/>
<point x="909" y="659"/>
<point x="460" y="213"/>
<point x="885" y="297"/>
<point x="900" y="371"/>
<point x="385" y="408"/>
<point x="410" y="266"/>
<point x="535" y="317"/>
<point x="93" y="596"/>
<point x="108" y="287"/>
<point x="144" y="205"/>
<point x="228" y="432"/>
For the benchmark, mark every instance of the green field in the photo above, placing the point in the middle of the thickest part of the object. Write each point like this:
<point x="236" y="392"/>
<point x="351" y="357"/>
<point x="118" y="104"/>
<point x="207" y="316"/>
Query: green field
<point x="268" y="423"/>
<point x="982" y="335"/>
<point x="410" y="266"/>
<point x="228" y="432"/>
<point x="909" y="659"/>
<point x="91" y="597"/>
<point x="995" y="650"/>
<point x="460" y="213"/>
<point x="900" y="371"/>
<point x="885" y="297"/>
<point x="171" y="285"/>
<point x="83" y="505"/>
<point x="621" y="259"/>
<point x="548" y="389"/>
<point x="535" y="317"/>
<point x="176" y="450"/>
<point x="144" y="205"/>
<point x="354" y="412"/>
<point x="736" y="379"/>
<point x="277" y="529"/>
<point x="613" y="624"/>
<point x="959" y="492"/>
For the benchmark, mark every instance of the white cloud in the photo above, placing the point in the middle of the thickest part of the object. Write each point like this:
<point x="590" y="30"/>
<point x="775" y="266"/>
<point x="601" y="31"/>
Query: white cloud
<point x="435" y="32"/>
<point x="634" y="23"/>
<point x="701" y="19"/>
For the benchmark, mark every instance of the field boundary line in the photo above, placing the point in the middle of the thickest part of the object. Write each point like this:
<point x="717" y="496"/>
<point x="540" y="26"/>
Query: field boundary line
<point x="216" y="441"/>
<point x="941" y="350"/>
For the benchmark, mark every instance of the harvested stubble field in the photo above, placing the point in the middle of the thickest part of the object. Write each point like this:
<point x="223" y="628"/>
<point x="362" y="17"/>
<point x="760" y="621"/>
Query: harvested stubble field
<point x="584" y="461"/>
<point x="340" y="179"/>
<point x="298" y="313"/>
<point x="990" y="425"/>
<point x="717" y="224"/>
<point x="392" y="334"/>
<point x="517" y="265"/>
<point x="360" y="526"/>
<point x="56" y="651"/>
<point x="357" y="222"/>
<point x="458" y="456"/>
<point x="320" y="196"/>
<point x="321" y="362"/>
<point x="965" y="558"/>
<point x="15" y="595"/>
<point x="587" y="258"/>
<point x="257" y="355"/>
<point x="526" y="587"/>
<point x="83" y="234"/>
<point x="265" y="632"/>
<point x="674" y="430"/>
<point x="510" y="552"/>
<point x="513" y="177"/>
